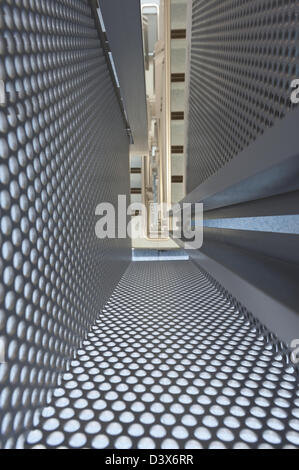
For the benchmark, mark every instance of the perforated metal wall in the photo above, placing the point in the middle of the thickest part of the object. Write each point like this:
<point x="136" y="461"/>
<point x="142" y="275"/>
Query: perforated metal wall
<point x="244" y="55"/>
<point x="173" y="363"/>
<point x="63" y="151"/>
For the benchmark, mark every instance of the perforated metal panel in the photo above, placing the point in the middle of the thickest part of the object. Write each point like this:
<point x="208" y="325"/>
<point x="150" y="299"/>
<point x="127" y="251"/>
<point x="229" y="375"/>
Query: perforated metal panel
<point x="243" y="58"/>
<point x="173" y="362"/>
<point x="63" y="151"/>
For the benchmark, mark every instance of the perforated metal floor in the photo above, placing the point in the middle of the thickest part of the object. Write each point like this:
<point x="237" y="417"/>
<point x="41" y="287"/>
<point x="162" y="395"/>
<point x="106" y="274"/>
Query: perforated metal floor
<point x="172" y="364"/>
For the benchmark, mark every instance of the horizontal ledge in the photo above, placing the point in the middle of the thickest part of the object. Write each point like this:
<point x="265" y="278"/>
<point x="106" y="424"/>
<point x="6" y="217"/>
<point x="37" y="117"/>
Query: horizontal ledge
<point x="282" y="204"/>
<point x="280" y="319"/>
<point x="284" y="247"/>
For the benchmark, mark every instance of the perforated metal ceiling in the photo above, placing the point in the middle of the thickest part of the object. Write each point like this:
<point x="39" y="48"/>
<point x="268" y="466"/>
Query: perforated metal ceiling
<point x="171" y="363"/>
<point x="63" y="151"/>
<point x="244" y="55"/>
